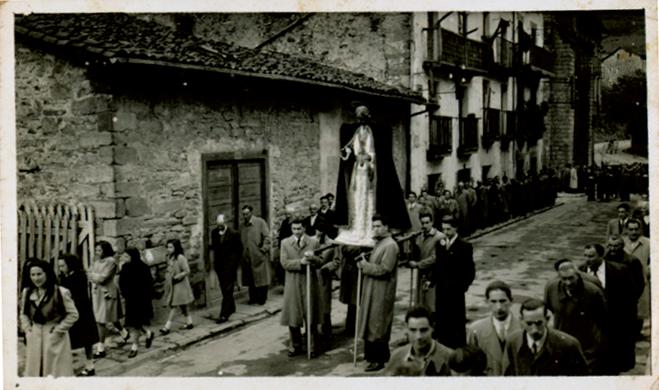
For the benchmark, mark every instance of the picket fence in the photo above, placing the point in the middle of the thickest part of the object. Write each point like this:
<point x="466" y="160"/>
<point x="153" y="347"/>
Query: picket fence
<point x="46" y="231"/>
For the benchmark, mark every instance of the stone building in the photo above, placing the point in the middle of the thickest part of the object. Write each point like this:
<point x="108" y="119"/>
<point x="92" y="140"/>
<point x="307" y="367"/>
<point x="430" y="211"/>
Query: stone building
<point x="483" y="72"/>
<point x="620" y="62"/>
<point x="574" y="91"/>
<point x="159" y="129"/>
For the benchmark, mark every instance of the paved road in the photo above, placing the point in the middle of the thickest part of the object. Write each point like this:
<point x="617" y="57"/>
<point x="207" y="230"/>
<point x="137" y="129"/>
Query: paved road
<point x="521" y="254"/>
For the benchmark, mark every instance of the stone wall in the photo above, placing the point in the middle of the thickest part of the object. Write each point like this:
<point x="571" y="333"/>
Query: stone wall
<point x="375" y="44"/>
<point x="161" y="141"/>
<point x="64" y="134"/>
<point x="559" y="120"/>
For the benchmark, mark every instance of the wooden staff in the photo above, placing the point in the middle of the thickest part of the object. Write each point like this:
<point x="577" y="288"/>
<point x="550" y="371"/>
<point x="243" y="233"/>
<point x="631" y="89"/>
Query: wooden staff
<point x="359" y="291"/>
<point x="309" y="333"/>
<point x="412" y="289"/>
<point x="359" y="295"/>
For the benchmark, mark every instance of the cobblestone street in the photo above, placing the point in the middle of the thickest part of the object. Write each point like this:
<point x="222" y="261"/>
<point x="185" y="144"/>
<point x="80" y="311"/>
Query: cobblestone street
<point x="521" y="254"/>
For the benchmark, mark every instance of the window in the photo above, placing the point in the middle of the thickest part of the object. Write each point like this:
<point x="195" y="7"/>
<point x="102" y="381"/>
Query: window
<point x="440" y="137"/>
<point x="469" y="134"/>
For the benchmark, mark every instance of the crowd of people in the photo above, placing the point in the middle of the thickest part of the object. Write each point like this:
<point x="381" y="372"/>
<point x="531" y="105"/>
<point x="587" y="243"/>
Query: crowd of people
<point x="477" y="205"/>
<point x="586" y="323"/>
<point x="605" y="182"/>
<point x="74" y="308"/>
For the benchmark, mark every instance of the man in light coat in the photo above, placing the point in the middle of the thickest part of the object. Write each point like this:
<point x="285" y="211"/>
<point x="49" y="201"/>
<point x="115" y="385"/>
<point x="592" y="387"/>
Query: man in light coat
<point x="638" y="246"/>
<point x="296" y="254"/>
<point x="255" y="237"/>
<point x="425" y="253"/>
<point x="490" y="333"/>
<point x="616" y="226"/>
<point x="378" y="296"/>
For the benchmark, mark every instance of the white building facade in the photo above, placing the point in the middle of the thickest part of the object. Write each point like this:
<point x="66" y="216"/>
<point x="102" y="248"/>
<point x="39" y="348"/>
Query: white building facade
<point x="484" y="73"/>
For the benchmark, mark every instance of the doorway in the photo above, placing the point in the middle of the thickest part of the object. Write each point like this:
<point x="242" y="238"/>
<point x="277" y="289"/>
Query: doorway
<point x="229" y="182"/>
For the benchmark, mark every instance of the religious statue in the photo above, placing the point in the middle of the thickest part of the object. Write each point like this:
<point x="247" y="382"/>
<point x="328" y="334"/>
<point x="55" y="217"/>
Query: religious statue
<point x="368" y="183"/>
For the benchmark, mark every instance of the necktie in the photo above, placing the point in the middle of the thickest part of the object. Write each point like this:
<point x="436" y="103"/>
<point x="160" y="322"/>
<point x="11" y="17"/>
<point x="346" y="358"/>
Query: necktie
<point x="534" y="348"/>
<point x="594" y="269"/>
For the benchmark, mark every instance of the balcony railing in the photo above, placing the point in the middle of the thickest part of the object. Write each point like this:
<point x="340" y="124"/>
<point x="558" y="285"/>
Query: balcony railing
<point x="440" y="137"/>
<point x="542" y="58"/>
<point x="468" y="135"/>
<point x="454" y="49"/>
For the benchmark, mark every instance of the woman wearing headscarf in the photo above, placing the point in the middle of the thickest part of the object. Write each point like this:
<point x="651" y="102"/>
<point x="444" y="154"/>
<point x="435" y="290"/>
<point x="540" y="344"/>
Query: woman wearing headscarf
<point x="136" y="285"/>
<point x="47" y="314"/>
<point x="83" y="333"/>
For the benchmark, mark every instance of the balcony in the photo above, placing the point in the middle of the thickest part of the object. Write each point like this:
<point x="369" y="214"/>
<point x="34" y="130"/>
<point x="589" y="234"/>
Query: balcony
<point x="468" y="136"/>
<point x="452" y="50"/>
<point x="440" y="138"/>
<point x="541" y="60"/>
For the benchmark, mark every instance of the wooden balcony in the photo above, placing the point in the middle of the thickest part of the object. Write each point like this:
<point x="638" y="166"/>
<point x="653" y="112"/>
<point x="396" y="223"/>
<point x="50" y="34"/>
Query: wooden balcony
<point x="541" y="60"/>
<point x="503" y="52"/>
<point x="453" y="51"/>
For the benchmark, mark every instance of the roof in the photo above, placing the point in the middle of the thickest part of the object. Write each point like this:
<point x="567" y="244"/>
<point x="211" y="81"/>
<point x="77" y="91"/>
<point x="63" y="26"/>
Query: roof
<point x="631" y="50"/>
<point x="127" y="39"/>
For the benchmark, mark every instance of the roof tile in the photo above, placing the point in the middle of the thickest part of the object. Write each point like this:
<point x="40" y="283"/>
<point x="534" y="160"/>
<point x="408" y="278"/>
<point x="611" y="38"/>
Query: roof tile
<point x="122" y="35"/>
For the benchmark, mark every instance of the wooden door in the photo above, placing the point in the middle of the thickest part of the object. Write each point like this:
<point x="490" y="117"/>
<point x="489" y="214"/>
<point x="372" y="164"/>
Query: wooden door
<point x="228" y="185"/>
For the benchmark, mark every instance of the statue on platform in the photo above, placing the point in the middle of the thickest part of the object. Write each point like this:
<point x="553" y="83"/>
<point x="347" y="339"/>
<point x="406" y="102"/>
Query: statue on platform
<point x="368" y="183"/>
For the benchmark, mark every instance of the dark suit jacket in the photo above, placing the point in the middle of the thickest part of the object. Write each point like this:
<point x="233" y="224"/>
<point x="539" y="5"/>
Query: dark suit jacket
<point x="560" y="355"/>
<point x="635" y="272"/>
<point x="621" y="305"/>
<point x="583" y="316"/>
<point x="227" y="251"/>
<point x="452" y="275"/>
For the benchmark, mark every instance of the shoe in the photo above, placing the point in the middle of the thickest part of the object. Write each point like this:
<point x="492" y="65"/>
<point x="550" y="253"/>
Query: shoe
<point x="373" y="366"/>
<point x="123" y="340"/>
<point x="187" y="327"/>
<point x="86" y="372"/>
<point x="99" y="354"/>
<point x="164" y="331"/>
<point x="132" y="353"/>
<point x="221" y="320"/>
<point x="294" y="352"/>
<point x="149" y="339"/>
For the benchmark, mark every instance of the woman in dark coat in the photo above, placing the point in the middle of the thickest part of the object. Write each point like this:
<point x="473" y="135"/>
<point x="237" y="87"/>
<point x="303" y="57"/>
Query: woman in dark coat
<point x="83" y="333"/>
<point x="136" y="285"/>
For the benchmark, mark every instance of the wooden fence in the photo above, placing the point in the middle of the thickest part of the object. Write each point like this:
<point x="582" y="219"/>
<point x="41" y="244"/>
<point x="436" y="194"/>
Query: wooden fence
<point x="45" y="231"/>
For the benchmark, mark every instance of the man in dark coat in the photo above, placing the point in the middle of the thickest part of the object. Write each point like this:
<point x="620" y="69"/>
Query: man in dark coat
<point x="538" y="350"/>
<point x="389" y="198"/>
<point x="615" y="253"/>
<point x="226" y="249"/>
<point x="580" y="310"/>
<point x="621" y="304"/>
<point x="453" y="273"/>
